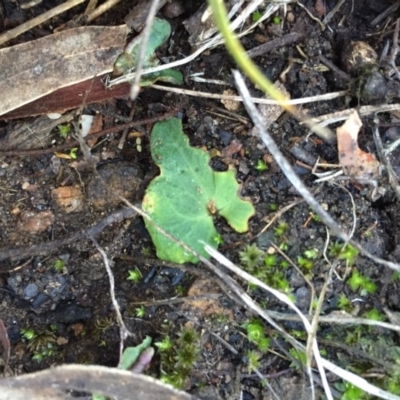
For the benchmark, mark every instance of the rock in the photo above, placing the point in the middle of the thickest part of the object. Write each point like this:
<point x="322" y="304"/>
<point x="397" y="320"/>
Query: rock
<point x="113" y="179"/>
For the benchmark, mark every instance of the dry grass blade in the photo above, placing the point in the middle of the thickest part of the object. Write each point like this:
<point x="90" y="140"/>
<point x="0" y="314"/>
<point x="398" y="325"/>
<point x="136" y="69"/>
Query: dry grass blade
<point x="257" y="100"/>
<point x="145" y="38"/>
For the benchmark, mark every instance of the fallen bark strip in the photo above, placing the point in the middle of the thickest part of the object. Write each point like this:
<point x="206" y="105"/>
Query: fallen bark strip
<point x="273" y="44"/>
<point x="53" y="245"/>
<point x="111" y="382"/>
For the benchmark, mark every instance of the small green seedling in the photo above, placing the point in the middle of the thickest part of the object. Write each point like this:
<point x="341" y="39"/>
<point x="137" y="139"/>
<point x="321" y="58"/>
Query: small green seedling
<point x="311" y="254"/>
<point x="272" y="207"/>
<point x="305" y="263"/>
<point x="270" y="260"/>
<point x="251" y="256"/>
<point x="59" y="265"/>
<point x="344" y="303"/>
<point x="218" y="239"/>
<point x="277" y="20"/>
<point x="140" y="312"/>
<point x="64" y="130"/>
<point x="186" y="195"/>
<point x="135" y="359"/>
<point x="126" y="62"/>
<point x="44" y="352"/>
<point x="28" y="333"/>
<point x="40" y="343"/>
<point x="347" y="252"/>
<point x="281" y="229"/>
<point x="358" y="281"/>
<point x="265" y="267"/>
<point x="178" y="356"/>
<point x="72" y="153"/>
<point x="256" y="16"/>
<point x="165" y="344"/>
<point x="300" y="356"/>
<point x="253" y="360"/>
<point x="134" y="275"/>
<point x="261" y="166"/>
<point x="350" y="392"/>
<point x="256" y="335"/>
<point x="374" y="314"/>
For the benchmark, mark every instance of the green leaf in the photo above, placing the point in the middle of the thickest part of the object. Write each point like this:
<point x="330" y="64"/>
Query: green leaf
<point x="166" y="75"/>
<point x="131" y="354"/>
<point x="126" y="62"/>
<point x="186" y="194"/>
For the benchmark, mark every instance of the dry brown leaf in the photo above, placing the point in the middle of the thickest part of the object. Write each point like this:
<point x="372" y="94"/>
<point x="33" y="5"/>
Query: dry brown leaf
<point x="33" y="223"/>
<point x="230" y="105"/>
<point x="69" y="198"/>
<point x="320" y="8"/>
<point x="354" y="161"/>
<point x="34" y="69"/>
<point x="203" y="306"/>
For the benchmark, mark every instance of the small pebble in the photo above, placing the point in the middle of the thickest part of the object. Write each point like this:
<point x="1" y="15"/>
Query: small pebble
<point x="30" y="291"/>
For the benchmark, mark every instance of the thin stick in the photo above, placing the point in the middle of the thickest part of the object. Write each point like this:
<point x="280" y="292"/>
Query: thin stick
<point x="40" y="19"/>
<point x="145" y="39"/>
<point x="303" y="100"/>
<point x="73" y="143"/>
<point x="338" y="116"/>
<point x="102" y="9"/>
<point x="394" y="183"/>
<point x="123" y="330"/>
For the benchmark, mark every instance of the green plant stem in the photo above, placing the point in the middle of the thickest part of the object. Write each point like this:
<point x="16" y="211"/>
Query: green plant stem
<point x="241" y="58"/>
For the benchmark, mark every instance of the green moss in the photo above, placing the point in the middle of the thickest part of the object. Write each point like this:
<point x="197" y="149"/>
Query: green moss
<point x="178" y="355"/>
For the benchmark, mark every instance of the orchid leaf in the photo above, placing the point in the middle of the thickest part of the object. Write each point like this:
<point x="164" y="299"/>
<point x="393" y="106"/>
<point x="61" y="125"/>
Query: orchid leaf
<point x="184" y="197"/>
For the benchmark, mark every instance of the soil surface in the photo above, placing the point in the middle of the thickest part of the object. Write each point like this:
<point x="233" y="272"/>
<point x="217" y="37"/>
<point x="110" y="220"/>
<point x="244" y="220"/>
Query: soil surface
<point x="53" y="280"/>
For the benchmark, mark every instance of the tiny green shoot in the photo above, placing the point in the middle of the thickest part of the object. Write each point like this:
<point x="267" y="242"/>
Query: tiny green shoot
<point x="272" y="207"/>
<point x="256" y="16"/>
<point x="344" y="303"/>
<point x="140" y="312"/>
<point x="358" y="281"/>
<point x="253" y="359"/>
<point x="72" y="153"/>
<point x="28" y="333"/>
<point x="59" y="265"/>
<point x="270" y="260"/>
<point x="261" y="166"/>
<point x="281" y="229"/>
<point x="218" y="239"/>
<point x="64" y="130"/>
<point x="277" y="20"/>
<point x="251" y="256"/>
<point x="134" y="275"/>
<point x="373" y="314"/>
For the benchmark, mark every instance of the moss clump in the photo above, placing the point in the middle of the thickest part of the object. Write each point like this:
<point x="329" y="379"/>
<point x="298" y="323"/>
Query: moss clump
<point x="178" y="356"/>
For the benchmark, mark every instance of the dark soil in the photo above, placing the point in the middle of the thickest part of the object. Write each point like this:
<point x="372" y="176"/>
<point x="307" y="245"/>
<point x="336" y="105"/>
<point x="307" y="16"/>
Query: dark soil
<point x="71" y="309"/>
